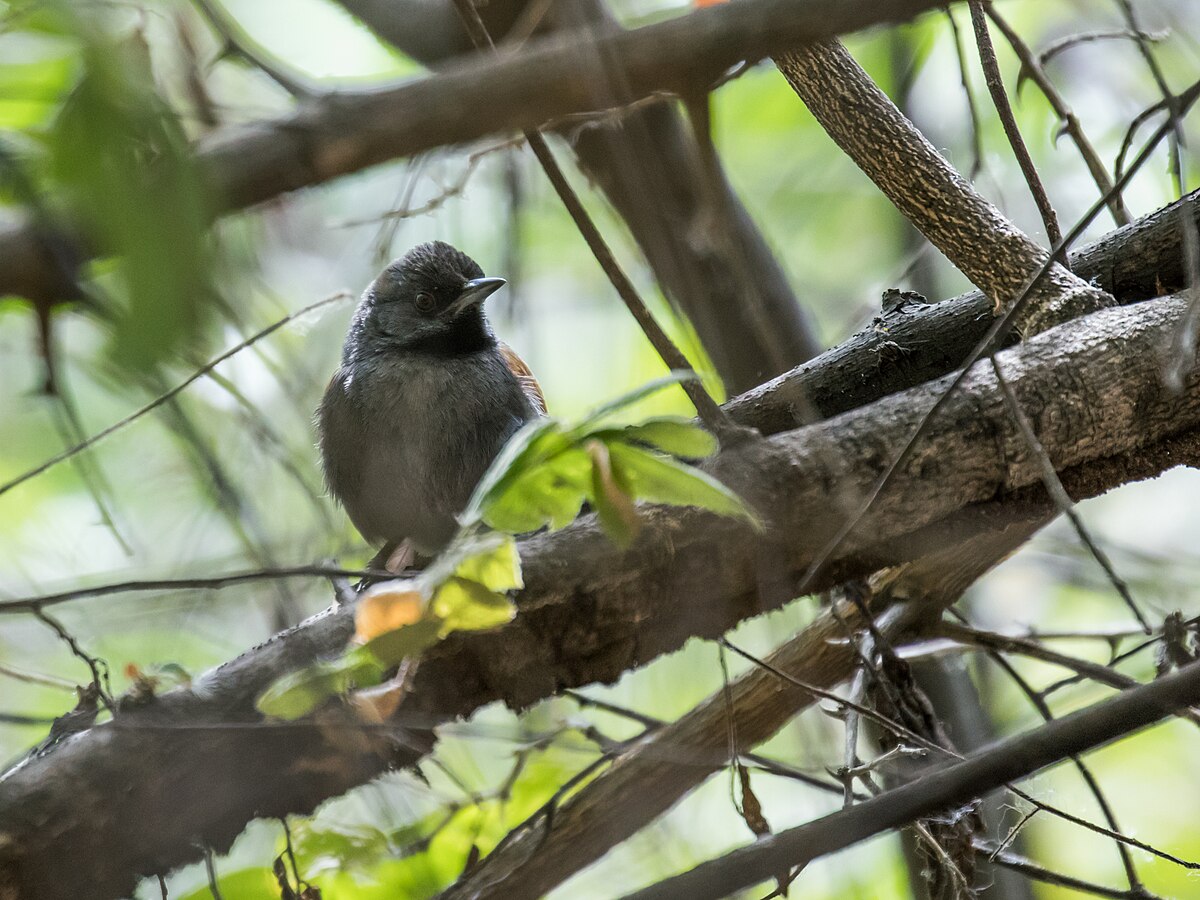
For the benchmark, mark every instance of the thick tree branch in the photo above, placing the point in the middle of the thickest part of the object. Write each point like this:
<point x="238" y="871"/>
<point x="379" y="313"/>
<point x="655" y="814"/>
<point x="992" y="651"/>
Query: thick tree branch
<point x="974" y="235"/>
<point x="917" y="343"/>
<point x="590" y="612"/>
<point x="551" y="77"/>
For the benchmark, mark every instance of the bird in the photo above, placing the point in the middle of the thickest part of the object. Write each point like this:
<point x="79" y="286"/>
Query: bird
<point x="423" y="401"/>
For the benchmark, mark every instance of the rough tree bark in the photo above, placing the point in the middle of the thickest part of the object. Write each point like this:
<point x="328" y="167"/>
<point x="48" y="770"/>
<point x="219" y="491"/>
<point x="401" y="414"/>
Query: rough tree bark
<point x="590" y="612"/>
<point x="975" y="236"/>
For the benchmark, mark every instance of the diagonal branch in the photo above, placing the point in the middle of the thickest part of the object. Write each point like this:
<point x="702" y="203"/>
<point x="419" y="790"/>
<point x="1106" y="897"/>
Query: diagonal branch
<point x="974" y="235"/>
<point x="589" y="611"/>
<point x="943" y="788"/>
<point x="734" y="292"/>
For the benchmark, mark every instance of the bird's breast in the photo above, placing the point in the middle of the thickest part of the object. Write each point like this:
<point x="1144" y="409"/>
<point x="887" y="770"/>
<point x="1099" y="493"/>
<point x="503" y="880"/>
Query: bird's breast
<point x="428" y="431"/>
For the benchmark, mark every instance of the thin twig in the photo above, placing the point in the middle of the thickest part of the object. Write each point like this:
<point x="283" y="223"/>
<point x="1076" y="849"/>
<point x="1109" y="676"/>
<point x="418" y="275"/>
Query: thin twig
<point x="1056" y="47"/>
<point x="995" y="85"/>
<point x="1174" y="108"/>
<point x="407" y="211"/>
<point x="942" y="787"/>
<point x="965" y="634"/>
<point x="901" y="731"/>
<point x="1135" y="882"/>
<point x="36" y="678"/>
<point x="237" y="43"/>
<point x="97" y="666"/>
<point x="1070" y="122"/>
<point x="875" y="716"/>
<point x="960" y="52"/>
<point x="1137" y="121"/>
<point x="850" y="764"/>
<point x="1054" y="487"/>
<point x="169" y="395"/>
<point x="1032" y="870"/>
<point x="210" y="868"/>
<point x="35" y="603"/>
<point x="70" y="429"/>
<point x="713" y="416"/>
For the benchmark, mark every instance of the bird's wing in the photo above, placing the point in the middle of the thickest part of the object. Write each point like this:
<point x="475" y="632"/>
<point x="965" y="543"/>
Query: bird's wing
<point x="337" y="431"/>
<point x="525" y="378"/>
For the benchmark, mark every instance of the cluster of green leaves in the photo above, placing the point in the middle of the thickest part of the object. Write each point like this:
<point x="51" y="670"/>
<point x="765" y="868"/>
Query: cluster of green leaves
<point x="551" y="468"/>
<point x="541" y="479"/>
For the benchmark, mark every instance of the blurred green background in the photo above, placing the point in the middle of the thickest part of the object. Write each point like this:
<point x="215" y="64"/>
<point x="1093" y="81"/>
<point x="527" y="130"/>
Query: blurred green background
<point x="227" y="478"/>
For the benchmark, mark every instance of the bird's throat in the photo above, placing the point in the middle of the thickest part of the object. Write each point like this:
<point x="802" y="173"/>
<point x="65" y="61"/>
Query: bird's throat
<point x="468" y="334"/>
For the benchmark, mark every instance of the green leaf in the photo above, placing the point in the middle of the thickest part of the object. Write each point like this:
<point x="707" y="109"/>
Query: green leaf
<point x="299" y="693"/>
<point x="534" y="442"/>
<point x="592" y="420"/>
<point x="548" y="494"/>
<point x="409" y="640"/>
<point x="660" y="479"/>
<point x="671" y="434"/>
<point x="464" y="605"/>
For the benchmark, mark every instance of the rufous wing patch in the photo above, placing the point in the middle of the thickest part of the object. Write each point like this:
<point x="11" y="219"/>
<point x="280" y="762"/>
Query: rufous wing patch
<point x="529" y="384"/>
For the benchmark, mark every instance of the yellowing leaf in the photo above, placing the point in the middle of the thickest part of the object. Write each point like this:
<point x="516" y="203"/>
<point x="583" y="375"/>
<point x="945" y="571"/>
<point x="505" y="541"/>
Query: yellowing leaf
<point x="464" y="605"/>
<point x="613" y="505"/>
<point x="377" y="704"/>
<point x="387" y="607"/>
<point x="498" y="568"/>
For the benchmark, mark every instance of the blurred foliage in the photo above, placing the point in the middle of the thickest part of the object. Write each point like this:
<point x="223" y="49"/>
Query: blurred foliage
<point x="99" y="102"/>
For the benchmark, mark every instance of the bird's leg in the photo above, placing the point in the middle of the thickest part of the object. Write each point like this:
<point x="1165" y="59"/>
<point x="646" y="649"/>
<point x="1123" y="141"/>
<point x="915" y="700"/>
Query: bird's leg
<point x="399" y="557"/>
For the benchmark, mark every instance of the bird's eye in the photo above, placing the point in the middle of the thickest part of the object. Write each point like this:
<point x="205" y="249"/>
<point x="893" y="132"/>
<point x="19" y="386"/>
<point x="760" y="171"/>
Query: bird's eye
<point x="425" y="302"/>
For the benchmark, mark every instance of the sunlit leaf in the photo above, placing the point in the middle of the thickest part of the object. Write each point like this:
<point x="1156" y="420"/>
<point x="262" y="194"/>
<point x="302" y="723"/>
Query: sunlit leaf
<point x="521" y="451"/>
<point x="464" y="605"/>
<point x="596" y="417"/>
<point x="299" y="693"/>
<point x="550" y="494"/>
<point x="660" y="479"/>
<point x="497" y="568"/>
<point x="671" y="434"/>
<point x="391" y="647"/>
<point x="247" y="884"/>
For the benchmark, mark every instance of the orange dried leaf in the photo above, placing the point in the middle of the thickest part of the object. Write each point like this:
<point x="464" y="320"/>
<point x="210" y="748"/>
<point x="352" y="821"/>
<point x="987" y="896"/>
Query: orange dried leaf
<point x="388" y="607"/>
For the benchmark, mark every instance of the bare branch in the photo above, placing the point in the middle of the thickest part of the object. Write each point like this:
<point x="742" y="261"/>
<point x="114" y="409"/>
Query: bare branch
<point x="944" y="787"/>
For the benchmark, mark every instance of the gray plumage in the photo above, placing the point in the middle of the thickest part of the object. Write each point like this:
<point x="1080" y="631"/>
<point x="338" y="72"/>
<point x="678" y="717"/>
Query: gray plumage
<point x="423" y="401"/>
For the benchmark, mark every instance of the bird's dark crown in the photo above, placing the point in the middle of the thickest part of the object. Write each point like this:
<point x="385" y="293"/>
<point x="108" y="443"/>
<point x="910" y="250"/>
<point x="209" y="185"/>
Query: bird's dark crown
<point x="412" y="306"/>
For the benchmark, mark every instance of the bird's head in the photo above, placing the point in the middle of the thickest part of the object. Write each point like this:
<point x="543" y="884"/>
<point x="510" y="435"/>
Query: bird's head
<point x="430" y="300"/>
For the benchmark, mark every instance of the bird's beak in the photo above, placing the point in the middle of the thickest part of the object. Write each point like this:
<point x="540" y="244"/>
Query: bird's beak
<point x="473" y="293"/>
